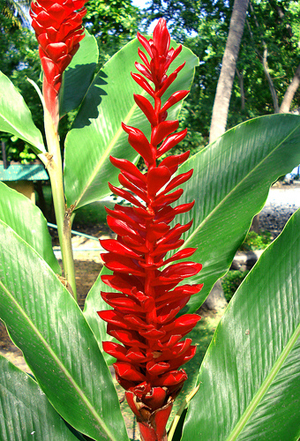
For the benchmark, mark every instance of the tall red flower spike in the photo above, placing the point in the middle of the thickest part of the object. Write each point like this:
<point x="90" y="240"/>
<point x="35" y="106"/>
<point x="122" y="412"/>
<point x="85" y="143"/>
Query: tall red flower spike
<point x="58" y="29"/>
<point x="144" y="315"/>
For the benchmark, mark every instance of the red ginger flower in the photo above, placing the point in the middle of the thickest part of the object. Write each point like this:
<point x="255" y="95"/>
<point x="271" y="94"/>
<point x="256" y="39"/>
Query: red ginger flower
<point x="144" y="312"/>
<point x="58" y="29"/>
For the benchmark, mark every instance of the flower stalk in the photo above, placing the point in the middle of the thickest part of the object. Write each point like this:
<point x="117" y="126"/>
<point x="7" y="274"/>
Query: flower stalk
<point x="58" y="29"/>
<point x="54" y="166"/>
<point x="144" y="318"/>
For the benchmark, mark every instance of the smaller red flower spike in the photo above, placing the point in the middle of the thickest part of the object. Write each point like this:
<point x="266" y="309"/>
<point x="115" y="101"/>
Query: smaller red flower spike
<point x="58" y="29"/>
<point x="144" y="318"/>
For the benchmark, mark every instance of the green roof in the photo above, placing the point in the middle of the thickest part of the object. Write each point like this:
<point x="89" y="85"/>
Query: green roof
<point x="23" y="172"/>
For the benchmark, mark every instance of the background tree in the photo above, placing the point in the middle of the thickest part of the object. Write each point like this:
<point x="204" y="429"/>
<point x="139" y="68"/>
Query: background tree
<point x="16" y="11"/>
<point x="278" y="28"/>
<point x="113" y="23"/>
<point x="229" y="60"/>
<point x="286" y="41"/>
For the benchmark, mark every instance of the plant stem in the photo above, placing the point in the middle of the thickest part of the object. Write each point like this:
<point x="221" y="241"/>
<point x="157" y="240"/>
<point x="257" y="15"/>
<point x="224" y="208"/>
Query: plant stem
<point x="62" y="215"/>
<point x="179" y="412"/>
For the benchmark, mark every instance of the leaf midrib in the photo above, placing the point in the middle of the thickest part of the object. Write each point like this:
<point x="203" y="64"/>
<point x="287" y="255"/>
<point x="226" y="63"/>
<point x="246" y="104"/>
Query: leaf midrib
<point x="233" y="190"/>
<point x="264" y="386"/>
<point x="105" y="155"/>
<point x="57" y="360"/>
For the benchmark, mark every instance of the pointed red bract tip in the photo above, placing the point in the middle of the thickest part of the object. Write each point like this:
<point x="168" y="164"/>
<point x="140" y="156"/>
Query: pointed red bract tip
<point x="58" y="28"/>
<point x="161" y="37"/>
<point x="145" y="309"/>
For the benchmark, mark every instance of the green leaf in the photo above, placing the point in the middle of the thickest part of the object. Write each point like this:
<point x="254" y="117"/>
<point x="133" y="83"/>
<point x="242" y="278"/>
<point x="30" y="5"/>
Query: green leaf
<point x="230" y="184"/>
<point x="250" y="377"/>
<point x="28" y="222"/>
<point x="97" y="131"/>
<point x="45" y="322"/>
<point x="15" y="117"/>
<point x="94" y="303"/>
<point x="78" y="75"/>
<point x="25" y="412"/>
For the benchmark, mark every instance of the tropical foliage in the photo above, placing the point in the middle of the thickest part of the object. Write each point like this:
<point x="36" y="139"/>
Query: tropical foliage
<point x="248" y="384"/>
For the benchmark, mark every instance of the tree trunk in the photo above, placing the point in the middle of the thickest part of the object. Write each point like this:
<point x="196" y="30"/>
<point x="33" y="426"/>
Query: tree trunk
<point x="225" y="83"/>
<point x="290" y="92"/>
<point x="269" y="79"/>
<point x="264" y="60"/>
<point x="216" y="299"/>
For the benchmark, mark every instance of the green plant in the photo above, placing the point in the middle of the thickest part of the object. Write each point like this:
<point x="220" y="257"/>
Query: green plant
<point x="255" y="241"/>
<point x="231" y="281"/>
<point x="244" y="390"/>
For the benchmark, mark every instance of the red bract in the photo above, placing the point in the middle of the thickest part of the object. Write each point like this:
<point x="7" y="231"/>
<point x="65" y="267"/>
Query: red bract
<point x="145" y="310"/>
<point x="58" y="29"/>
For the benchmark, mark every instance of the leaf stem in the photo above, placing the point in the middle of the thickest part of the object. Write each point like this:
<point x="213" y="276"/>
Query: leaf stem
<point x="179" y="412"/>
<point x="62" y="215"/>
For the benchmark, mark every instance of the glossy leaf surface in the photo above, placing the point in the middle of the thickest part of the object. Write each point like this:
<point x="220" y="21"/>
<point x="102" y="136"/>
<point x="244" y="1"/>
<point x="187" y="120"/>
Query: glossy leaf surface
<point x="97" y="131"/>
<point x="25" y="412"/>
<point x="78" y="75"/>
<point x="94" y="303"/>
<point x="45" y="322"/>
<point x="250" y="377"/>
<point x="230" y="184"/>
<point x="28" y="222"/>
<point x="15" y="116"/>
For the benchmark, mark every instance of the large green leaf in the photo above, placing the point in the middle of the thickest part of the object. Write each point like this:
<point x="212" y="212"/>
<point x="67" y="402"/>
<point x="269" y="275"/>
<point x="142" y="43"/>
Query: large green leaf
<point x="94" y="303"/>
<point x="25" y="412"/>
<point x="78" y="75"/>
<point x="28" y="222"/>
<point x="230" y="184"/>
<point x="15" y="117"/>
<point x="250" y="377"/>
<point x="45" y="322"/>
<point x="97" y="131"/>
